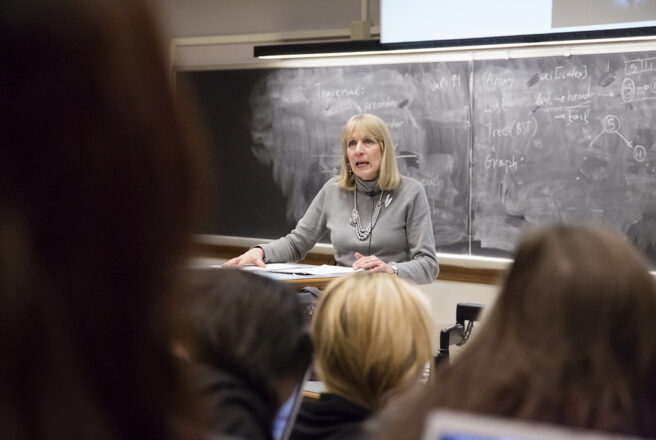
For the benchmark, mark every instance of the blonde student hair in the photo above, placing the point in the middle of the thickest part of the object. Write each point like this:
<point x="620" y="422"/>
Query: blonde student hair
<point x="371" y="334"/>
<point x="388" y="175"/>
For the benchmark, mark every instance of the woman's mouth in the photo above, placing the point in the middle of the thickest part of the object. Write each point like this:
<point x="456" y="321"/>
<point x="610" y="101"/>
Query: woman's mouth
<point x="361" y="164"/>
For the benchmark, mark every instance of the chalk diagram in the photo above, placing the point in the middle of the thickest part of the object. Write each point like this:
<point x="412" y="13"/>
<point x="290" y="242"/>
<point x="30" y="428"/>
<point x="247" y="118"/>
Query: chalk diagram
<point x="636" y="92"/>
<point x="611" y="126"/>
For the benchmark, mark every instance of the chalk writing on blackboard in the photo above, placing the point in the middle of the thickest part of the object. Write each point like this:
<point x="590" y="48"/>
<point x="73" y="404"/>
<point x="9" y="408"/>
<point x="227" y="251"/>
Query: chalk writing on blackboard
<point x="589" y="157"/>
<point x="298" y="115"/>
<point x="501" y="146"/>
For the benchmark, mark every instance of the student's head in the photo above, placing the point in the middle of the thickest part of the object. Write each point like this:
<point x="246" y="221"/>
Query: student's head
<point x="369" y="126"/>
<point x="579" y="295"/>
<point x="251" y="327"/>
<point x="98" y="195"/>
<point x="579" y="303"/>
<point x="371" y="334"/>
<point x="568" y="341"/>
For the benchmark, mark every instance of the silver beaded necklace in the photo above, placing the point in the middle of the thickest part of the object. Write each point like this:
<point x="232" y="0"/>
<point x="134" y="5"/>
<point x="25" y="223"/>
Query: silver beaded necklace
<point x="360" y="233"/>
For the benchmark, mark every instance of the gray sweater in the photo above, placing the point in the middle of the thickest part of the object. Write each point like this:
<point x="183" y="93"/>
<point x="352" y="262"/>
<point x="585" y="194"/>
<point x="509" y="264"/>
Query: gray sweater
<point x="403" y="233"/>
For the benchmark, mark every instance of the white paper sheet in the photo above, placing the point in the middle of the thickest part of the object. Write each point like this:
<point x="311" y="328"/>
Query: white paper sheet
<point x="324" y="269"/>
<point x="299" y="269"/>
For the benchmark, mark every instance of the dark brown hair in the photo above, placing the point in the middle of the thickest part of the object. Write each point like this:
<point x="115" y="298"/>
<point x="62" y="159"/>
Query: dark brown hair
<point x="249" y="326"/>
<point x="99" y="191"/>
<point x="570" y="339"/>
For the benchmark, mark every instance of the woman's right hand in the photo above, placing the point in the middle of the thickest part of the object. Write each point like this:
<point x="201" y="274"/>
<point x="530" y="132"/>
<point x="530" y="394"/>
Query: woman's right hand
<point x="252" y="256"/>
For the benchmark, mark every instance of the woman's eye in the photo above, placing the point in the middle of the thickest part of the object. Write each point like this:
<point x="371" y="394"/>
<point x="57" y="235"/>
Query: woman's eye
<point x="352" y="143"/>
<point x="369" y="141"/>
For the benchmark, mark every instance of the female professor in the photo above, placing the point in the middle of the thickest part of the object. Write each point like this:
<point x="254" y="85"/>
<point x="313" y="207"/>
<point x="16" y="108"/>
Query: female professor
<point x="377" y="219"/>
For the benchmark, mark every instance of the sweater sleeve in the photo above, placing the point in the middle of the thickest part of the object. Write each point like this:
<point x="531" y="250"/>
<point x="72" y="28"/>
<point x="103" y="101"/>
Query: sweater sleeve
<point x="309" y="230"/>
<point x="422" y="267"/>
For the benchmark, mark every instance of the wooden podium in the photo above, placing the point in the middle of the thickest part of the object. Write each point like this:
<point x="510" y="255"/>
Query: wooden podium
<point x="319" y="283"/>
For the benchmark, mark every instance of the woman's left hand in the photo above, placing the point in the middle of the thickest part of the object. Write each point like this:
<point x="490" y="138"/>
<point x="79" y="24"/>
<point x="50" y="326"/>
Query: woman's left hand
<point x="371" y="263"/>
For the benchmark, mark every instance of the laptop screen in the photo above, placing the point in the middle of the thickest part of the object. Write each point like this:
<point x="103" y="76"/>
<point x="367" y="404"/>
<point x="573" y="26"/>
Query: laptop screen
<point x="450" y="425"/>
<point x="284" y="421"/>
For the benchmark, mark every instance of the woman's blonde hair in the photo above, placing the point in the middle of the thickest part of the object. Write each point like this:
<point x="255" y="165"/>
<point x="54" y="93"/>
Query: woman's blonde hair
<point x="388" y="175"/>
<point x="371" y="334"/>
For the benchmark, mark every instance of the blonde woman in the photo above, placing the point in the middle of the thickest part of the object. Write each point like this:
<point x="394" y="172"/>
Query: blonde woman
<point x="371" y="334"/>
<point x="376" y="219"/>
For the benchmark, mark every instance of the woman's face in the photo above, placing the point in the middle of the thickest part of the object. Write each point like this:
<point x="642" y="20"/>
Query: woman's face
<point x="364" y="154"/>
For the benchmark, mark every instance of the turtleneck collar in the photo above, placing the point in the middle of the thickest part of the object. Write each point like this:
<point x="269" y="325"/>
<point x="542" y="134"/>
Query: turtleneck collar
<point x="369" y="187"/>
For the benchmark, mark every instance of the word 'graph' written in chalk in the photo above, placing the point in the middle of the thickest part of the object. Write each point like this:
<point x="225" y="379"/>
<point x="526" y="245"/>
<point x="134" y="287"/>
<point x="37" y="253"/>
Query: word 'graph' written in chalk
<point x="612" y="126"/>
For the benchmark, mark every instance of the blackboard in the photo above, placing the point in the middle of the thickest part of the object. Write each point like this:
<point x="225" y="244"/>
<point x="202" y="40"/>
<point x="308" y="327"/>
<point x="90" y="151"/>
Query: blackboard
<point x="564" y="139"/>
<point x="501" y="146"/>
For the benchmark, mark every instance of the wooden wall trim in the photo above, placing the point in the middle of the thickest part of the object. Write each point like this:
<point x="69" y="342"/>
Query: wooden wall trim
<point x="447" y="272"/>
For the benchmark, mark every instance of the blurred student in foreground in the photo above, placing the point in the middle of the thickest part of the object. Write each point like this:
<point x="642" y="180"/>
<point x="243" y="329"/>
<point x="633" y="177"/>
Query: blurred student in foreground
<point x="371" y="334"/>
<point x="570" y="341"/>
<point x="249" y="348"/>
<point x="99" y="185"/>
